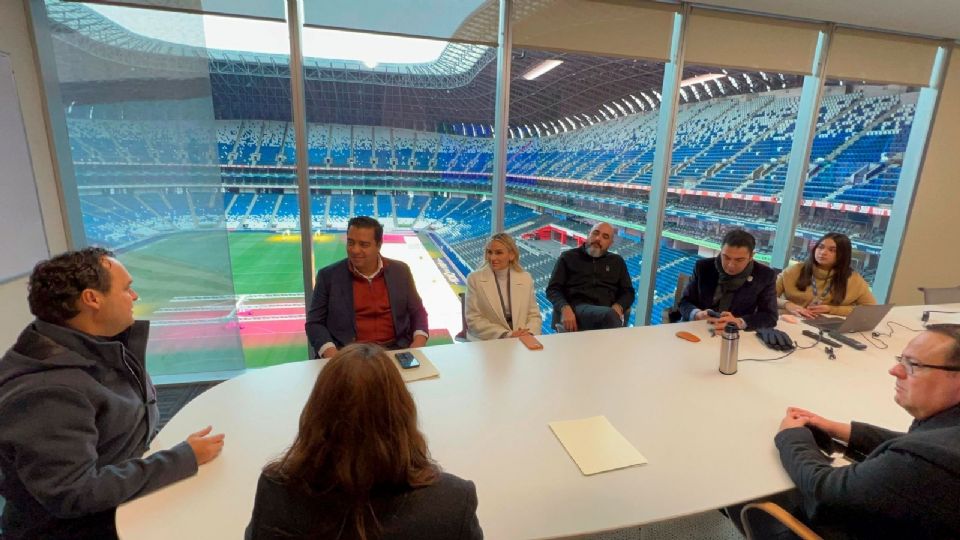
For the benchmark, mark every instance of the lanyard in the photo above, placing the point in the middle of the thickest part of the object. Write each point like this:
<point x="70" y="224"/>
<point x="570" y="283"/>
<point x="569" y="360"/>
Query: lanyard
<point x="503" y="306"/>
<point x="819" y="299"/>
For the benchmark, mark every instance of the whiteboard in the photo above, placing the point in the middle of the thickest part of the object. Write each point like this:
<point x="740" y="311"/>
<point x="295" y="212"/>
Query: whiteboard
<point x="23" y="240"/>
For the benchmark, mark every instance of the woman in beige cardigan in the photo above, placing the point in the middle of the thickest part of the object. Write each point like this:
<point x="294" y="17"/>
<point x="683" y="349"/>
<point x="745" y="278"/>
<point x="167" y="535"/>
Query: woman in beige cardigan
<point x="500" y="301"/>
<point x="824" y="284"/>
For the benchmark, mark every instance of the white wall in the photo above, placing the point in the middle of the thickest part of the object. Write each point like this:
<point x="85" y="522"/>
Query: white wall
<point x="15" y="40"/>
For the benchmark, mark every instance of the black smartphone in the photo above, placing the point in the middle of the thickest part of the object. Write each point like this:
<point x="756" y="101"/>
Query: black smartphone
<point x="407" y="360"/>
<point x="713" y="313"/>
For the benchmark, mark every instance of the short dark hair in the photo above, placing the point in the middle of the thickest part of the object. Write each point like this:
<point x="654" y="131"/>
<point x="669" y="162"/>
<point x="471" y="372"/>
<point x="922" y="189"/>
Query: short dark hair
<point x="952" y="331"/>
<point x="739" y="238"/>
<point x="55" y="284"/>
<point x="367" y="222"/>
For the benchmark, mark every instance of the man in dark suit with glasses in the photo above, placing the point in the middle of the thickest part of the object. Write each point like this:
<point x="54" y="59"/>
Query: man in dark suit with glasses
<point x="901" y="485"/>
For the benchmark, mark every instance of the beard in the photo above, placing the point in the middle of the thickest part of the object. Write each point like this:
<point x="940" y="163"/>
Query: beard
<point x="595" y="251"/>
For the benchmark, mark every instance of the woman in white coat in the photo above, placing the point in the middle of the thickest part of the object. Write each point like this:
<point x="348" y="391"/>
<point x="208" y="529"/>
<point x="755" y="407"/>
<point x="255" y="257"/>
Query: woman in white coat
<point x="500" y="300"/>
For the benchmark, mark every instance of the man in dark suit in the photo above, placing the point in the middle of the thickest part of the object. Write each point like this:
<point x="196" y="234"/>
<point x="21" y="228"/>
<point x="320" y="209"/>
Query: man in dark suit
<point x="365" y="298"/>
<point x="902" y="485"/>
<point x="733" y="285"/>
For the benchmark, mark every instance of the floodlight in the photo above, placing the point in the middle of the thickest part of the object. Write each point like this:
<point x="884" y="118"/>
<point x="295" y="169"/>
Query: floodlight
<point x="541" y="68"/>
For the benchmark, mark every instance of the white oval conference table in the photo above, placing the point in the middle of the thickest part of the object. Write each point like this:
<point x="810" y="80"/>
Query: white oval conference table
<point x="708" y="437"/>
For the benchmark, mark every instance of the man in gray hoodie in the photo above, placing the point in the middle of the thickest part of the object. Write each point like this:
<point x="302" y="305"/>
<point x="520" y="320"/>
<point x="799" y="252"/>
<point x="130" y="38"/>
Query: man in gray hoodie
<point x="78" y="409"/>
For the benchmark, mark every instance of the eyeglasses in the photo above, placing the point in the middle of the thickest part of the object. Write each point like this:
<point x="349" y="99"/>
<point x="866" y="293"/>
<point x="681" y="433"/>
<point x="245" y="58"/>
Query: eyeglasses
<point x="912" y="366"/>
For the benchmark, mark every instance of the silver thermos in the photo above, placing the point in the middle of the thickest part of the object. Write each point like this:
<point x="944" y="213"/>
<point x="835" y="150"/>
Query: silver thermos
<point x="729" y="349"/>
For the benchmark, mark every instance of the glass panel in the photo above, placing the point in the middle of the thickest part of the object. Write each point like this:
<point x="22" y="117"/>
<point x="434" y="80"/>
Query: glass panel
<point x="855" y="166"/>
<point x="730" y="155"/>
<point x="473" y="21"/>
<point x="410" y="144"/>
<point x="581" y="151"/>
<point x="165" y="138"/>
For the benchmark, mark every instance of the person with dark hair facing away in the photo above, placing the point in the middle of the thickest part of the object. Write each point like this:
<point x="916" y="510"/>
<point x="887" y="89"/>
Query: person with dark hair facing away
<point x="365" y="298"/>
<point x="733" y="285"/>
<point x="78" y="409"/>
<point x="824" y="283"/>
<point x="900" y="485"/>
<point x="590" y="288"/>
<point x="359" y="467"/>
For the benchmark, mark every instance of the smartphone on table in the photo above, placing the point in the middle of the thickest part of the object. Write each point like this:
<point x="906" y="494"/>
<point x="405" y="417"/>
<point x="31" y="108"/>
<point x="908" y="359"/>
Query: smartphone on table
<point x="407" y="360"/>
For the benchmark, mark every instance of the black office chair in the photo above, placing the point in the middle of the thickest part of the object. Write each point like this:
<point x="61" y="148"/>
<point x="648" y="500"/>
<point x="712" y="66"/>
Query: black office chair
<point x="462" y="334"/>
<point x="672" y="314"/>
<point x="556" y="321"/>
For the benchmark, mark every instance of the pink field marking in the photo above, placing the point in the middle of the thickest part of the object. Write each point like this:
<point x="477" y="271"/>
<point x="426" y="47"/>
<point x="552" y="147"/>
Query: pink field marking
<point x="394" y="238"/>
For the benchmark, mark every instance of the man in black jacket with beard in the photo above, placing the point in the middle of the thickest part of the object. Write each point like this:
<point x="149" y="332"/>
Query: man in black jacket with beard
<point x="78" y="409"/>
<point x="590" y="287"/>
<point x="739" y="289"/>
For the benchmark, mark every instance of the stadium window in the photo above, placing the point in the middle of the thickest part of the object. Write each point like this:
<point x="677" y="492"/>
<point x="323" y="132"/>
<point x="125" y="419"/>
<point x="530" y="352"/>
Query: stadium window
<point x="728" y="162"/>
<point x="192" y="192"/>
<point x="856" y="163"/>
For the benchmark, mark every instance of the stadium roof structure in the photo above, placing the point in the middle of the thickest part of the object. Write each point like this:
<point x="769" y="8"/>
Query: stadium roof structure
<point x="100" y="61"/>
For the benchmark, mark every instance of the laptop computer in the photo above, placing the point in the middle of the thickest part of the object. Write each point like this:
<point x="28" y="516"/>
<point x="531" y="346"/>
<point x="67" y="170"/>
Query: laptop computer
<point x="861" y="319"/>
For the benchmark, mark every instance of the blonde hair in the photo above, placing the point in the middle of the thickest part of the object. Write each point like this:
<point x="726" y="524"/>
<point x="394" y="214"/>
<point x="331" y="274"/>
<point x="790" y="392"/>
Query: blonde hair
<point x="511" y="246"/>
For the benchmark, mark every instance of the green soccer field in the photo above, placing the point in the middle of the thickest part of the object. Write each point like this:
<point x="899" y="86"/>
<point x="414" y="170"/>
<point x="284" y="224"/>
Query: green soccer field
<point x="219" y="264"/>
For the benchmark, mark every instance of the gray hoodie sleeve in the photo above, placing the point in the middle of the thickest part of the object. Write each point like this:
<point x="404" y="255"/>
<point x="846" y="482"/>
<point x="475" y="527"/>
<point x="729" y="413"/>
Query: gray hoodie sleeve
<point x="53" y="438"/>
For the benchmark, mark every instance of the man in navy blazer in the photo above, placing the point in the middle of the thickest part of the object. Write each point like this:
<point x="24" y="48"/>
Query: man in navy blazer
<point x="365" y="298"/>
<point x="739" y="289"/>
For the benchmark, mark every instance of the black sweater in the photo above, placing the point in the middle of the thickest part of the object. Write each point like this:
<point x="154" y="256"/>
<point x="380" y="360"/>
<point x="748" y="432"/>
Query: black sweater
<point x="905" y="485"/>
<point x="579" y="278"/>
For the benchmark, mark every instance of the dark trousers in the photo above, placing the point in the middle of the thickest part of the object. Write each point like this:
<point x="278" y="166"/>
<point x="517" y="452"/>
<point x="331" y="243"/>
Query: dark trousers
<point x="590" y="317"/>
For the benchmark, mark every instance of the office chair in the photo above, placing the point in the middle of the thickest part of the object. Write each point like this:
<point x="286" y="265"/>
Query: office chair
<point x="557" y="324"/>
<point x="940" y="295"/>
<point x="462" y="334"/>
<point x="778" y="513"/>
<point x="672" y="313"/>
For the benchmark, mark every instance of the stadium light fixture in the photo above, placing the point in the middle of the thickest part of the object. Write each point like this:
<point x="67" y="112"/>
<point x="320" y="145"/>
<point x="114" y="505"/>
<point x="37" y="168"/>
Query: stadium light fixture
<point x="701" y="79"/>
<point x="538" y="130"/>
<point x="541" y="68"/>
<point x="620" y="108"/>
<point x="629" y="106"/>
